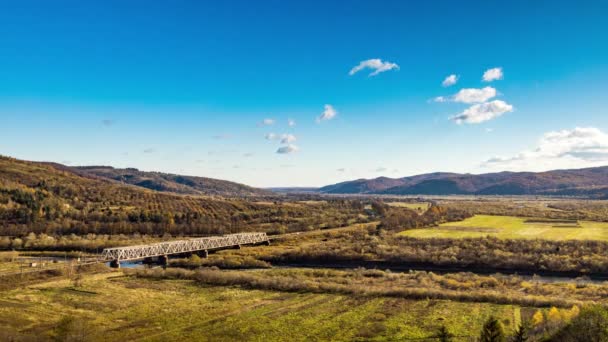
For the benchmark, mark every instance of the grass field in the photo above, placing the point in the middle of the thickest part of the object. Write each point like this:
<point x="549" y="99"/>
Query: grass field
<point x="418" y="206"/>
<point x="113" y="307"/>
<point x="511" y="227"/>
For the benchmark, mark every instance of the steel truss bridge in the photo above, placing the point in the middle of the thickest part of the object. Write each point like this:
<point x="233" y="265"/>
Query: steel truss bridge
<point x="163" y="249"/>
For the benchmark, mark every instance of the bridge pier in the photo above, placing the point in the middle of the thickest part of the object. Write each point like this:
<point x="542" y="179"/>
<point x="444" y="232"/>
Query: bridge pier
<point x="148" y="261"/>
<point x="203" y="254"/>
<point x="266" y="243"/>
<point x="163" y="260"/>
<point x="115" y="264"/>
<point x="237" y="246"/>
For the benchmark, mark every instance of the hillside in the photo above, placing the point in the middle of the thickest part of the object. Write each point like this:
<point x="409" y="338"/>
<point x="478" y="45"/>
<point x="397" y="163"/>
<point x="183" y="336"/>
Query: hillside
<point x="53" y="199"/>
<point x="166" y="182"/>
<point x="579" y="182"/>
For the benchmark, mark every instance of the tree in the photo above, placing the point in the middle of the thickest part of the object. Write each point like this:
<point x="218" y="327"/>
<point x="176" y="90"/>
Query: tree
<point x="538" y="318"/>
<point x="492" y="331"/>
<point x="591" y="325"/>
<point x="521" y="332"/>
<point x="443" y="334"/>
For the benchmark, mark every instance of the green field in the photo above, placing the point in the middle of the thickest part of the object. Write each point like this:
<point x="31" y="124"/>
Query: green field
<point x="114" y="307"/>
<point x="511" y="227"/>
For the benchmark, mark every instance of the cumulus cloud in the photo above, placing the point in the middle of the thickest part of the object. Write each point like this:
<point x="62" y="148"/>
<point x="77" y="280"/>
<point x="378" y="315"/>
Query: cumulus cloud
<point x="267" y="122"/>
<point x="469" y="95"/>
<point x="291" y="122"/>
<point x="288" y="138"/>
<point x="375" y="64"/>
<point x="482" y="112"/>
<point x="328" y="114"/>
<point x="450" y="80"/>
<point x="474" y="95"/>
<point x="287" y="149"/>
<point x="492" y="74"/>
<point x="271" y="136"/>
<point x="576" y="148"/>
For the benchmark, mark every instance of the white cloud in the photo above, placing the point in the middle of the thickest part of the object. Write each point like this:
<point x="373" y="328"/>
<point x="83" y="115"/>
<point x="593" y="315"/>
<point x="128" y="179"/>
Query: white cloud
<point x="328" y="114"/>
<point x="271" y="136"/>
<point x="376" y="64"/>
<point x="287" y="149"/>
<point x="576" y="148"/>
<point x="450" y="80"/>
<point x="489" y="130"/>
<point x="291" y="122"/>
<point x="381" y="169"/>
<point x="288" y="138"/>
<point x="474" y="95"/>
<point x="341" y="169"/>
<point x="267" y="122"/>
<point x="469" y="95"/>
<point x="482" y="112"/>
<point x="492" y="74"/>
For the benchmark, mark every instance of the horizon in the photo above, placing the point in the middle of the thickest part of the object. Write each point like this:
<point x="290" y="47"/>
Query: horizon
<point x="309" y="94"/>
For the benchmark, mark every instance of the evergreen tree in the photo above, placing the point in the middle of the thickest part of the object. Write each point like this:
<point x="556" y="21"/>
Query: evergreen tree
<point x="444" y="335"/>
<point x="492" y="331"/>
<point x="521" y="332"/>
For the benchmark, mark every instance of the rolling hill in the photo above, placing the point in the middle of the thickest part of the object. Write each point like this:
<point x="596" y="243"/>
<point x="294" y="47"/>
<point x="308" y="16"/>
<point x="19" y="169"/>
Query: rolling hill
<point x="577" y="182"/>
<point x="166" y="182"/>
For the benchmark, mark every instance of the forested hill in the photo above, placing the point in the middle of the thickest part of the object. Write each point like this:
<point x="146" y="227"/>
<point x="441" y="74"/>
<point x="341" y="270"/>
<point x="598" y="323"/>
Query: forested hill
<point x="592" y="182"/>
<point x="43" y="198"/>
<point x="167" y="182"/>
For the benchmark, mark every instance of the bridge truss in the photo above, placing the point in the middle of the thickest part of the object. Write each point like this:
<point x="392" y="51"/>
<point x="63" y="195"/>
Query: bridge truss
<point x="181" y="246"/>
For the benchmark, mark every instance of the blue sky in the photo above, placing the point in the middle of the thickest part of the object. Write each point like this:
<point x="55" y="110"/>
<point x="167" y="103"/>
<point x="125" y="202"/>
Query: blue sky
<point x="184" y="86"/>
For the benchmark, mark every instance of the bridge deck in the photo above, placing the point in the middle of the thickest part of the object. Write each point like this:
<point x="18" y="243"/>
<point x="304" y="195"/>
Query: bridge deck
<point x="181" y="246"/>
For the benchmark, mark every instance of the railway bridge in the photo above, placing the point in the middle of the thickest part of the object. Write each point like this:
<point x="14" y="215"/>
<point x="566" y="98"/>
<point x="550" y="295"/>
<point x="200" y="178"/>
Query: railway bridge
<point x="162" y="250"/>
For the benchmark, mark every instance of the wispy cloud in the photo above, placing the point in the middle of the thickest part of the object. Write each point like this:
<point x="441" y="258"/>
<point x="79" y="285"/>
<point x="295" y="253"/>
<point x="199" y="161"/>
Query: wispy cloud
<point x="288" y="138"/>
<point x="291" y="122"/>
<point x="248" y="154"/>
<point x="287" y="149"/>
<point x="375" y="64"/>
<point x="575" y="148"/>
<point x="341" y="169"/>
<point x="266" y="122"/>
<point x="450" y="80"/>
<point x="482" y="112"/>
<point x="149" y="150"/>
<point x="271" y="136"/>
<point x="492" y="75"/>
<point x="328" y="114"/>
<point x="381" y="169"/>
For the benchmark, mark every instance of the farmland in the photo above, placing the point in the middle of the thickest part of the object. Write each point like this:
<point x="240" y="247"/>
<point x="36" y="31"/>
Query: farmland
<point x="511" y="227"/>
<point x="110" y="306"/>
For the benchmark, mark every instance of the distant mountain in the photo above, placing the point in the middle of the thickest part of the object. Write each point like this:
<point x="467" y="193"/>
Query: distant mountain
<point x="167" y="182"/>
<point x="578" y="182"/>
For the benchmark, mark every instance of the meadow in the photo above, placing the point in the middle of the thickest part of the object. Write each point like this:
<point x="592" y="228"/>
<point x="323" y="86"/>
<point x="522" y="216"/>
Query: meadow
<point x="512" y="227"/>
<point x="111" y="306"/>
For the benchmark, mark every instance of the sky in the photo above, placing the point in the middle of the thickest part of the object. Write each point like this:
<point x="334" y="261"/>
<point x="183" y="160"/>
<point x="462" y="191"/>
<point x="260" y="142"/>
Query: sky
<point x="305" y="93"/>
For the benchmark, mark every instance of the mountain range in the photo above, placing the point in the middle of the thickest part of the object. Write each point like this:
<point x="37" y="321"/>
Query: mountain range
<point x="577" y="182"/>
